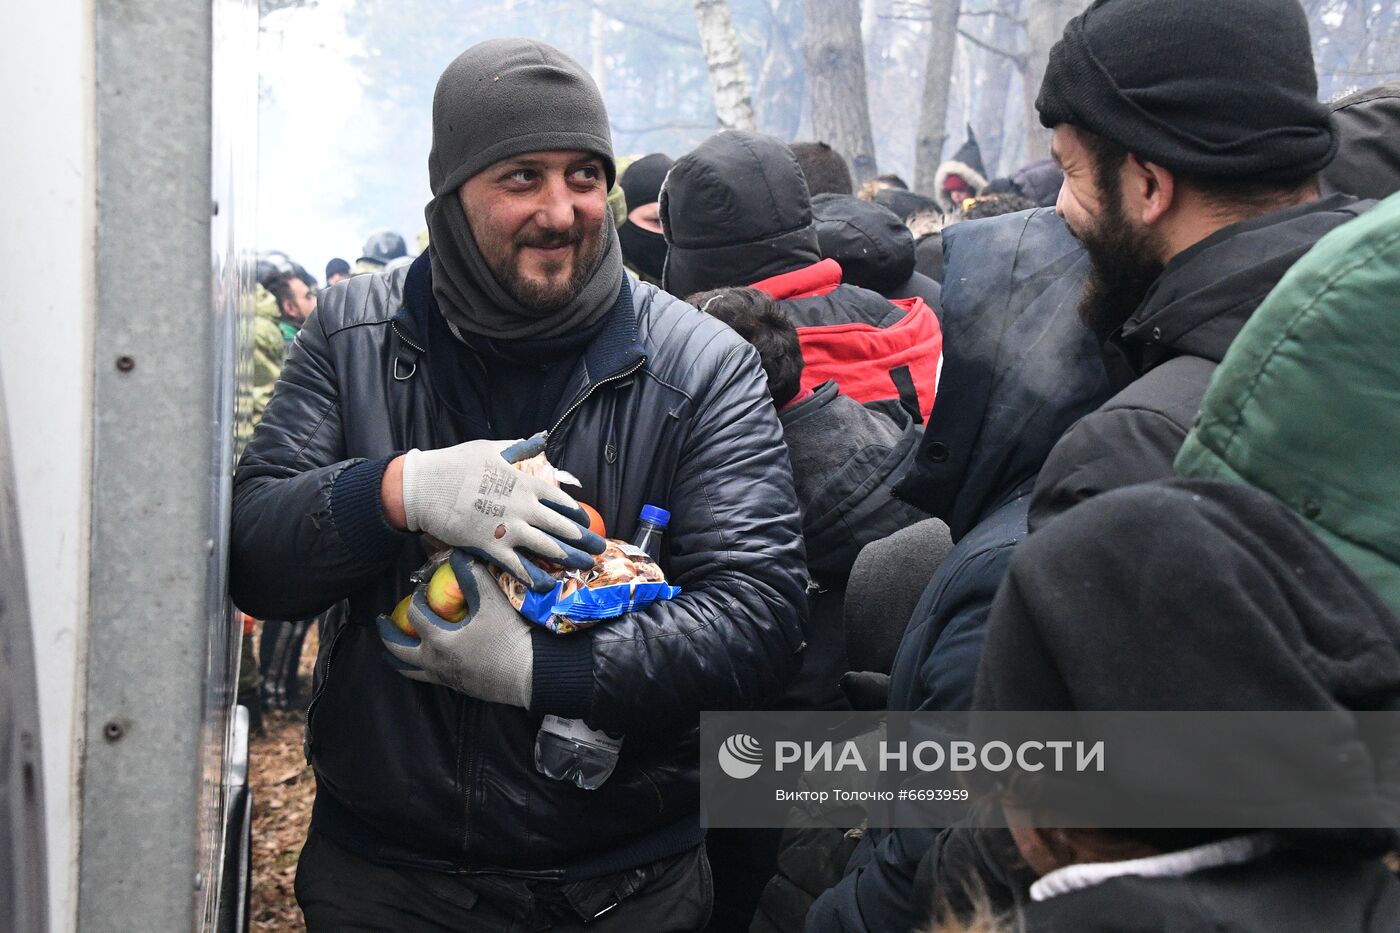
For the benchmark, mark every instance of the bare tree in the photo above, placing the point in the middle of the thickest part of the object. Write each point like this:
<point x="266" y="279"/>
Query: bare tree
<point x="733" y="103"/>
<point x="1045" y="23"/>
<point x="933" y="109"/>
<point x="836" y="82"/>
<point x="782" y="77"/>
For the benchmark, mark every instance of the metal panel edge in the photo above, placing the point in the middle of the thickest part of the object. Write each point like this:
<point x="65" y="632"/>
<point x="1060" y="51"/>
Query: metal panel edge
<point x="152" y="436"/>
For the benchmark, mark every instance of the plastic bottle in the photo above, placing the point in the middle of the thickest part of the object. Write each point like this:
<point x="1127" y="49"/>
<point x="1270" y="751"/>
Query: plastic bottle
<point x="566" y="749"/>
<point x="651" y="528"/>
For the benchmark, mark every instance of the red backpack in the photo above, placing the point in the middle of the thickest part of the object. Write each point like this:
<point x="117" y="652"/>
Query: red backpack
<point x="897" y="363"/>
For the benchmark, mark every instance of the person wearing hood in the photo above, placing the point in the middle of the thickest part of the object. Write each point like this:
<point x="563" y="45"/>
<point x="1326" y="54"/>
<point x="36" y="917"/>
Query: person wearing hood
<point x="1019" y="369"/>
<point x="960" y="178"/>
<point x="873" y="246"/>
<point x="736" y="212"/>
<point x="1260" y="615"/>
<point x="1368" y="157"/>
<point x="643" y="246"/>
<point x="1306" y="405"/>
<point x="1192" y="198"/>
<point x="394" y="431"/>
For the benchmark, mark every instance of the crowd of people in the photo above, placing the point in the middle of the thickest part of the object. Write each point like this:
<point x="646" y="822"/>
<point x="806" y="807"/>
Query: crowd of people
<point x="1120" y="431"/>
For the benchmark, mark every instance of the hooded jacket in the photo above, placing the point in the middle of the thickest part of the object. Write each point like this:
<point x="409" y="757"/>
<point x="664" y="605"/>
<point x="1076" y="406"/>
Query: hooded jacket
<point x="736" y="212"/>
<point x="886" y="354"/>
<point x="1280" y="894"/>
<point x="873" y="246"/>
<point x="1162" y="358"/>
<point x="666" y="406"/>
<point x="975" y="179"/>
<point x="845" y="458"/>
<point x="1258" y="615"/>
<point x="1019" y="369"/>
<point x="1368" y="153"/>
<point x="1306" y="404"/>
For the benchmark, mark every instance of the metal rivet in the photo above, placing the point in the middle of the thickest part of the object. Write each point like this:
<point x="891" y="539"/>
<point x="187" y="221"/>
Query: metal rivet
<point x="113" y="731"/>
<point x="126" y="364"/>
<point x="1156" y="333"/>
<point x="1311" y="508"/>
<point x="938" y="452"/>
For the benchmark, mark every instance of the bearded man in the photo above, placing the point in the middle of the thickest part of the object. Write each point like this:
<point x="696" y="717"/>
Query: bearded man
<point x="398" y="410"/>
<point x="1191" y="139"/>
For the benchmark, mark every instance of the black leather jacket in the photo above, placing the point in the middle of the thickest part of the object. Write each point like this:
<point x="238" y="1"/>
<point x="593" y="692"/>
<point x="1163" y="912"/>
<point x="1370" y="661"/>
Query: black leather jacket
<point x="667" y="406"/>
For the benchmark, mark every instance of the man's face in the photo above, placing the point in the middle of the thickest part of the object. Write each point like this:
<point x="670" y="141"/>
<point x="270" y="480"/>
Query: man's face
<point x="336" y="277"/>
<point x="539" y="220"/>
<point x="1124" y="256"/>
<point x="300" y="302"/>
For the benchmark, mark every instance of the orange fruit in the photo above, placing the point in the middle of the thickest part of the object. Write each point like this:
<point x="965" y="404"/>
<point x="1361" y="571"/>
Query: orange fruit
<point x="595" y="521"/>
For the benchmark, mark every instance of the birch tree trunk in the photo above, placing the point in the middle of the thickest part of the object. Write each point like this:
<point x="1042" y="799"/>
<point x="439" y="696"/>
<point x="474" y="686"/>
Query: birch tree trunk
<point x="836" y="82"/>
<point x="1045" y="23"/>
<point x="733" y="103"/>
<point x="938" y="77"/>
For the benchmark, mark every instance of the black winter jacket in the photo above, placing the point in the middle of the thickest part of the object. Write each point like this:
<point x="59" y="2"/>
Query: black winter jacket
<point x="666" y="406"/>
<point x="845" y="458"/>
<point x="1280" y="894"/>
<point x="873" y="246"/>
<point x="1163" y="357"/>
<point x="1019" y="368"/>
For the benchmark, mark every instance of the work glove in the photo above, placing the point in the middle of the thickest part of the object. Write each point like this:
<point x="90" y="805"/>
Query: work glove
<point x="488" y="655"/>
<point x="470" y="497"/>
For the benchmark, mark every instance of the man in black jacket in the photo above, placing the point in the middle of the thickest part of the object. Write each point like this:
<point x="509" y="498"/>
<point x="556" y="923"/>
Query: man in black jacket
<point x="430" y="813"/>
<point x="1191" y="166"/>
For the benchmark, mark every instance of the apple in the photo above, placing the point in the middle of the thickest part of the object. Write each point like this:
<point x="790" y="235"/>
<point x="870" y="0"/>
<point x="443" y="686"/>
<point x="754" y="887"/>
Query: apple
<point x="400" y="617"/>
<point x="445" y="595"/>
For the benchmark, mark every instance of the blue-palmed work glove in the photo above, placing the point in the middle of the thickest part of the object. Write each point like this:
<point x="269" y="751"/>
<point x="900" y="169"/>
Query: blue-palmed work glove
<point x="469" y="496"/>
<point x="488" y="655"/>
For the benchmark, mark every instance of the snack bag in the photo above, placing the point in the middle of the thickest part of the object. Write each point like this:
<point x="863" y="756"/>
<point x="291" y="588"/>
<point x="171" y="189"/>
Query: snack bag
<point x="623" y="579"/>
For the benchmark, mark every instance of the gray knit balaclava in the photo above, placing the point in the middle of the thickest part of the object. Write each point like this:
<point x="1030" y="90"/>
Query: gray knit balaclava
<point x="499" y="99"/>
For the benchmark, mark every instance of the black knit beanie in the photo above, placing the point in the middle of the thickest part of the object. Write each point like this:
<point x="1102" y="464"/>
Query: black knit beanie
<point x="642" y="180"/>
<point x="498" y="99"/>
<point x="644" y="250"/>
<point x="1212" y="88"/>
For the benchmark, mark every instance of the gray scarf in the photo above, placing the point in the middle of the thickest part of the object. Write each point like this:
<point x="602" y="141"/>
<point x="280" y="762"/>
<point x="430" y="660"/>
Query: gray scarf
<point x="471" y="299"/>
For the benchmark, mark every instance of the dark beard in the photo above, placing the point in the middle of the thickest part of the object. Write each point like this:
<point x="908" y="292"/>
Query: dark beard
<point x="1124" y="265"/>
<point x="546" y="297"/>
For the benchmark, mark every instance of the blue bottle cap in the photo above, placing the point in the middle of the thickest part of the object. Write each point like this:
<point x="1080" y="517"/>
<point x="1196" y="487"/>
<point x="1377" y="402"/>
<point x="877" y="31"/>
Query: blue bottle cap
<point x="656" y="515"/>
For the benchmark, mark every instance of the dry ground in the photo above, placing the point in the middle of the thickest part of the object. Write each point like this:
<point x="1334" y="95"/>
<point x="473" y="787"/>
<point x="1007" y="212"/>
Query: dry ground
<point x="282" y="793"/>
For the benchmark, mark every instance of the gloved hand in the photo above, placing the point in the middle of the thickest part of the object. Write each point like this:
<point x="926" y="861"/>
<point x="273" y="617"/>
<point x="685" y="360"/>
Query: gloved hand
<point x="470" y="497"/>
<point x="488" y="655"/>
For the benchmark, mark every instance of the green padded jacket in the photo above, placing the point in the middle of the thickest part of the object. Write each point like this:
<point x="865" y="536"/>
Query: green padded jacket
<point x="1306" y="403"/>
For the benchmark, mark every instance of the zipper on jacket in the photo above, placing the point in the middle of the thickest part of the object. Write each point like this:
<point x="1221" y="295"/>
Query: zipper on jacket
<point x="307" y="736"/>
<point x="589" y="394"/>
<point x="395" y="326"/>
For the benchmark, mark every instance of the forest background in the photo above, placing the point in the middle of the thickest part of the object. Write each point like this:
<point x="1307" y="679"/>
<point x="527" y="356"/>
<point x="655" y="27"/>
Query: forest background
<point x="346" y="87"/>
